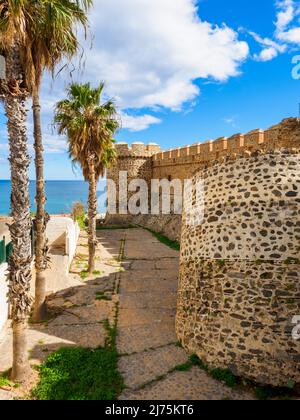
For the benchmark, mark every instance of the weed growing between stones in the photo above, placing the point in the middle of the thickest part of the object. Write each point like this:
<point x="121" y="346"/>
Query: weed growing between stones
<point x="267" y="393"/>
<point x="84" y="274"/>
<point x="164" y="240"/>
<point x="102" y="296"/>
<point x="81" y="374"/>
<point x="5" y="382"/>
<point x="233" y="381"/>
<point x="223" y="375"/>
<point x="97" y="273"/>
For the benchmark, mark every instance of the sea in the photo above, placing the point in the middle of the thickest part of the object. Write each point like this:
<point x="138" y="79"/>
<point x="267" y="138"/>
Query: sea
<point x="61" y="196"/>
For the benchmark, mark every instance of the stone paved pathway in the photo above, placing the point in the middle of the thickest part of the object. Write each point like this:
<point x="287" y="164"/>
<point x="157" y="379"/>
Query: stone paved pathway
<point x="138" y="277"/>
<point x="146" y="328"/>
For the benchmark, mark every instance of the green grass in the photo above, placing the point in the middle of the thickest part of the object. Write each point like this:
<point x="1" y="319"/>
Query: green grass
<point x="81" y="374"/>
<point x="84" y="274"/>
<point x="267" y="393"/>
<point x="184" y="367"/>
<point x="102" y="296"/>
<point x="97" y="273"/>
<point x="5" y="382"/>
<point x="225" y="376"/>
<point x="232" y="381"/>
<point x="164" y="240"/>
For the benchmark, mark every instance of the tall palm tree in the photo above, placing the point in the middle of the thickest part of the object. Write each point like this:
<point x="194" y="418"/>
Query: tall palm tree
<point x="14" y="92"/>
<point x="89" y="126"/>
<point x="34" y="34"/>
<point x="51" y="38"/>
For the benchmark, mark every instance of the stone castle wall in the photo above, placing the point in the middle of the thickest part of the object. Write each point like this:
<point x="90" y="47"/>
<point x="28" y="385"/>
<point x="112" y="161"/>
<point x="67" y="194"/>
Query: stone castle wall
<point x="149" y="162"/>
<point x="182" y="163"/>
<point x="240" y="268"/>
<point x="239" y="273"/>
<point x="137" y="162"/>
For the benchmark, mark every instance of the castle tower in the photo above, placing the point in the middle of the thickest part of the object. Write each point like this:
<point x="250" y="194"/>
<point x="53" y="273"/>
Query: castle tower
<point x="239" y="289"/>
<point x="136" y="162"/>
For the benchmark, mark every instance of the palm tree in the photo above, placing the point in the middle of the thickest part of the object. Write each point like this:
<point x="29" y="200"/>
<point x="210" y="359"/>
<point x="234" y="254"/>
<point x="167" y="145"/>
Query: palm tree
<point x="33" y="35"/>
<point x="89" y="126"/>
<point x="51" y="39"/>
<point x="14" y="92"/>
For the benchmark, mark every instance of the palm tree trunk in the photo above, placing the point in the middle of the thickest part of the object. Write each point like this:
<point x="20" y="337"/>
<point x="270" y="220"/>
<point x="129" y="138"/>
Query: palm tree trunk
<point x="92" y="213"/>
<point x="41" y="248"/>
<point x="20" y="229"/>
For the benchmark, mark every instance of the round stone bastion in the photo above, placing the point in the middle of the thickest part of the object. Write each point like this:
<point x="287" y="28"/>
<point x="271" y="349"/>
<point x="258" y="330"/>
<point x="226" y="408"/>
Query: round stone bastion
<point x="239" y="289"/>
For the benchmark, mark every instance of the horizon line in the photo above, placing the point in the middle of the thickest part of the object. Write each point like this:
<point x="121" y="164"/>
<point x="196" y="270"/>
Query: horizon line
<point x="57" y="180"/>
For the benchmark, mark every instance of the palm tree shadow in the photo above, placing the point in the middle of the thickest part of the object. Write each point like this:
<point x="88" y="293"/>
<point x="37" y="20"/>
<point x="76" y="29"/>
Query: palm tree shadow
<point x="77" y="315"/>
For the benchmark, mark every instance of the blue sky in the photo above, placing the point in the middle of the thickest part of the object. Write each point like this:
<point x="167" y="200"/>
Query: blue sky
<point x="183" y="71"/>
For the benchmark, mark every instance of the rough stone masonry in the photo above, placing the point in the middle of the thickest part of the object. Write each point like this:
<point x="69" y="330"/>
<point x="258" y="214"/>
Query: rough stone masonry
<point x="239" y="287"/>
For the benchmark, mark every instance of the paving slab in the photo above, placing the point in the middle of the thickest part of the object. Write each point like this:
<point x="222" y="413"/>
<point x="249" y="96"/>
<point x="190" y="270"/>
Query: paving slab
<point x="137" y="338"/>
<point x="192" y="385"/>
<point x="146" y="328"/>
<point x="141" y="368"/>
<point x="145" y="316"/>
<point x="144" y="300"/>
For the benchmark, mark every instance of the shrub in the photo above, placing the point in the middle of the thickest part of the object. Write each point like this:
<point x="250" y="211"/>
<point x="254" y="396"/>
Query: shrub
<point x="78" y="214"/>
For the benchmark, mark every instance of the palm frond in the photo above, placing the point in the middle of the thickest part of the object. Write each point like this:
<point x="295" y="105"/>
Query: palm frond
<point x="46" y="31"/>
<point x="89" y="126"/>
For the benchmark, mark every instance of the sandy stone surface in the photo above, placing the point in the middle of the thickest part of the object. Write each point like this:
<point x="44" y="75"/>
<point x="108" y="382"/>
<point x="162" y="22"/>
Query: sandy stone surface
<point x="139" y="276"/>
<point x="6" y="395"/>
<point x="146" y="328"/>
<point x="191" y="385"/>
<point x="144" y="367"/>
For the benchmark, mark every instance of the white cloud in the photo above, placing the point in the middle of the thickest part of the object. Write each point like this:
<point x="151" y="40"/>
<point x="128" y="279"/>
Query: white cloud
<point x="290" y="36"/>
<point x="287" y="26"/>
<point x="138" y="123"/>
<point x="287" y="31"/>
<point x="285" y="14"/>
<point x="271" y="49"/>
<point x="54" y="143"/>
<point x="151" y="52"/>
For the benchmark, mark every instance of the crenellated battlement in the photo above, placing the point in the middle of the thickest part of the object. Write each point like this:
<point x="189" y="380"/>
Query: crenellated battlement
<point x="182" y="163"/>
<point x="137" y="149"/>
<point x="283" y="135"/>
<point x="286" y="134"/>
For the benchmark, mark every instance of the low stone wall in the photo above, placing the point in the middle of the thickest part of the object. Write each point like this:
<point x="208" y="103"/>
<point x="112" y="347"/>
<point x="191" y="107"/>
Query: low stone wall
<point x="167" y="225"/>
<point x="63" y="234"/>
<point x="240" y="268"/>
